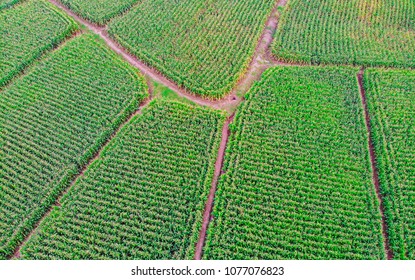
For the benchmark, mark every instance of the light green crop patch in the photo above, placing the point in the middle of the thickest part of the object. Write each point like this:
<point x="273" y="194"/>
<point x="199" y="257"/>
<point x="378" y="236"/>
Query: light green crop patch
<point x="358" y="32"/>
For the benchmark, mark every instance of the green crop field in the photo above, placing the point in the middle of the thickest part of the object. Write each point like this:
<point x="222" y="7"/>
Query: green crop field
<point x="297" y="181"/>
<point x="27" y="31"/>
<point x="52" y="121"/>
<point x="99" y="11"/>
<point x="361" y="32"/>
<point x="7" y="3"/>
<point x="144" y="197"/>
<point x="391" y="102"/>
<point x="203" y="46"/>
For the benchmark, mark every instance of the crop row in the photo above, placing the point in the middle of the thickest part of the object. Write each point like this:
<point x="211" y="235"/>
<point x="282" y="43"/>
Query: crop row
<point x="52" y="121"/>
<point x="144" y="197"/>
<point x="364" y="32"/>
<point x="297" y="182"/>
<point x="391" y="101"/>
<point x="27" y="31"/>
<point x="203" y="46"/>
<point x="99" y="11"/>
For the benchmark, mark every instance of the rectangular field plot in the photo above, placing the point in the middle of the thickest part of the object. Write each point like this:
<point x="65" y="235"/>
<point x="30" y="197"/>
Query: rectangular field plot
<point x="203" y="46"/>
<point x="143" y="198"/>
<point x="359" y="32"/>
<point x="99" y="11"/>
<point x="27" y="31"/>
<point x="297" y="181"/>
<point x="52" y="121"/>
<point x="391" y="101"/>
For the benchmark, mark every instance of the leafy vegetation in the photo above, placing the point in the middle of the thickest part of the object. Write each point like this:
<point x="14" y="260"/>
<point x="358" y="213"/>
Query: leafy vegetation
<point x="143" y="198"/>
<point x="26" y="32"/>
<point x="391" y="102"/>
<point x="7" y="3"/>
<point x="203" y="46"/>
<point x="99" y="11"/>
<point x="52" y="122"/>
<point x="361" y="32"/>
<point x="297" y="182"/>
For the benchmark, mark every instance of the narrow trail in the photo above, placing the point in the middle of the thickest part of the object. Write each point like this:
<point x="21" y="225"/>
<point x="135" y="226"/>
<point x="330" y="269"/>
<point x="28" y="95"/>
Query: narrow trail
<point x="207" y="215"/>
<point x="375" y="173"/>
<point x="16" y="253"/>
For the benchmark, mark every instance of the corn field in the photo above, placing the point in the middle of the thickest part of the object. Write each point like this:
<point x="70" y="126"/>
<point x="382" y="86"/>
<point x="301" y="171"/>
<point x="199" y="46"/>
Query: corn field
<point x="391" y="100"/>
<point x="359" y="32"/>
<point x="297" y="182"/>
<point x="52" y="122"/>
<point x="203" y="46"/>
<point x="144" y="197"/>
<point x="99" y="11"/>
<point x="26" y="32"/>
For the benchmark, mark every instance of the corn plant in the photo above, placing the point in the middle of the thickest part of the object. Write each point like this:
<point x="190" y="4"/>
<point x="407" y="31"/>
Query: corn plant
<point x="391" y="102"/>
<point x="358" y="32"/>
<point x="99" y="11"/>
<point x="26" y="32"/>
<point x="52" y="122"/>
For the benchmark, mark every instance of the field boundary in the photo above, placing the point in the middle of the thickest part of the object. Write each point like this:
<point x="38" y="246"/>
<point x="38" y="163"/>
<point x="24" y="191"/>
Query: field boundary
<point x="375" y="172"/>
<point x="207" y="214"/>
<point x="16" y="254"/>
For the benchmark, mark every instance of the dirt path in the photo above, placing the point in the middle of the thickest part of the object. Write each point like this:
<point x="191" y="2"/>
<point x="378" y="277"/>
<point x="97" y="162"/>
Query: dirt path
<point x="16" y="254"/>
<point x="209" y="203"/>
<point x="375" y="173"/>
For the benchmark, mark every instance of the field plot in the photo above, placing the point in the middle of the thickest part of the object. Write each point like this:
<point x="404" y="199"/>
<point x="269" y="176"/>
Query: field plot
<point x="144" y="197"/>
<point x="391" y="101"/>
<point x="99" y="11"/>
<point x="27" y="31"/>
<point x="360" y="32"/>
<point x="52" y="121"/>
<point x="203" y="46"/>
<point x="297" y="182"/>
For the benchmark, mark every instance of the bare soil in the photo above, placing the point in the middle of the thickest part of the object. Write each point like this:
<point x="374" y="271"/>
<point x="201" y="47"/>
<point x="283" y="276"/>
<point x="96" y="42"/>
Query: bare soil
<point x="375" y="173"/>
<point x="207" y="215"/>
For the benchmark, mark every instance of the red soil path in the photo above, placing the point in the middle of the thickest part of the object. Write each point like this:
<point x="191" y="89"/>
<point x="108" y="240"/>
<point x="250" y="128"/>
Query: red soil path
<point x="375" y="173"/>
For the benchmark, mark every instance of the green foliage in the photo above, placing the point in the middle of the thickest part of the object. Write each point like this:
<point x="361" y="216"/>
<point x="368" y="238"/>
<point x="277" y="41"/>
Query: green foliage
<point x="26" y="32"/>
<point x="297" y="182"/>
<point x="7" y="3"/>
<point x="359" y="32"/>
<point x="144" y="197"/>
<point x="391" y="102"/>
<point x="52" y="122"/>
<point x="99" y="11"/>
<point x="203" y="46"/>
